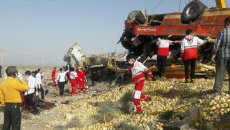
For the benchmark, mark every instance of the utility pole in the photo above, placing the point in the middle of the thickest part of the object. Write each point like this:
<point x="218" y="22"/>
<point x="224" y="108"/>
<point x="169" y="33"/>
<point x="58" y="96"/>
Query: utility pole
<point x="1" y="57"/>
<point x="43" y="61"/>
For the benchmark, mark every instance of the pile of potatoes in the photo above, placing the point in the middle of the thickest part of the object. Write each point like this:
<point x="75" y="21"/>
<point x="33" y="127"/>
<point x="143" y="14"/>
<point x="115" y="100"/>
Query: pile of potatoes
<point x="166" y="95"/>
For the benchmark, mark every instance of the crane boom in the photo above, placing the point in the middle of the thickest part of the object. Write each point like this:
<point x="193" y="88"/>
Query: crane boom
<point x="221" y="4"/>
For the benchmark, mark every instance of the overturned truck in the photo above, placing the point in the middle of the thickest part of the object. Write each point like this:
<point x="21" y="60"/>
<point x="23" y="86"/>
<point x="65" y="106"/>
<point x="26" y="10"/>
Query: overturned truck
<point x="142" y="30"/>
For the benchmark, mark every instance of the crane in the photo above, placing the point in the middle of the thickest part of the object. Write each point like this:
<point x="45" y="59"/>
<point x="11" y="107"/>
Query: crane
<point x="221" y="4"/>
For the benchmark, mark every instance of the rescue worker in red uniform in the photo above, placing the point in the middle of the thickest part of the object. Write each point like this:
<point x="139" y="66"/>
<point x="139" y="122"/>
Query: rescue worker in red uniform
<point x="138" y="77"/>
<point x="163" y="52"/>
<point x="54" y="76"/>
<point x="73" y="80"/>
<point x="81" y="80"/>
<point x="189" y="53"/>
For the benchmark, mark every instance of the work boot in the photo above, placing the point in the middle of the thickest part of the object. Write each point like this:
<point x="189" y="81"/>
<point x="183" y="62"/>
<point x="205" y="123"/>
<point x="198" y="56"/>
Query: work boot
<point x="147" y="98"/>
<point x="186" y="81"/>
<point x="192" y="81"/>
<point x="213" y="91"/>
<point x="138" y="110"/>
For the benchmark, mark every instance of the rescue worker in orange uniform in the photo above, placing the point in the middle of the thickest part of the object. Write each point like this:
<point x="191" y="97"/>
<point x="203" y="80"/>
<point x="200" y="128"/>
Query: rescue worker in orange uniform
<point x="73" y="80"/>
<point x="81" y="80"/>
<point x="138" y="71"/>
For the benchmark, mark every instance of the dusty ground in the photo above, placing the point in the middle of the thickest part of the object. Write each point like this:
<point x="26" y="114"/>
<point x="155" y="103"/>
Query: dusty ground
<point x="105" y="107"/>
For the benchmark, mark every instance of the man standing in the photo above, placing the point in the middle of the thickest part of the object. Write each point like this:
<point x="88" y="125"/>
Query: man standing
<point x="39" y="83"/>
<point x="73" y="80"/>
<point x="138" y="77"/>
<point x="11" y="88"/>
<point x="163" y="52"/>
<point x="31" y="81"/>
<point x="54" y="76"/>
<point x="222" y="56"/>
<point x="189" y="53"/>
<point x="0" y="71"/>
<point x="61" y="78"/>
<point x="81" y="80"/>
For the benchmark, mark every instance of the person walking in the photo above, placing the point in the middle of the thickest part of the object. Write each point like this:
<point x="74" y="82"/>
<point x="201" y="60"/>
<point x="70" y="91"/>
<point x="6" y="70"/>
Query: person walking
<point x="138" y="77"/>
<point x="222" y="56"/>
<point x="54" y="76"/>
<point x="189" y="54"/>
<point x="61" y="79"/>
<point x="31" y="81"/>
<point x="11" y="88"/>
<point x="73" y="80"/>
<point x="39" y="83"/>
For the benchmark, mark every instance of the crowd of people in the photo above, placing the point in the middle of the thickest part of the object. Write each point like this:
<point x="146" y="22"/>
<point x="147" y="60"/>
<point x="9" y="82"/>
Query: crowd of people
<point x="76" y="77"/>
<point x="17" y="94"/>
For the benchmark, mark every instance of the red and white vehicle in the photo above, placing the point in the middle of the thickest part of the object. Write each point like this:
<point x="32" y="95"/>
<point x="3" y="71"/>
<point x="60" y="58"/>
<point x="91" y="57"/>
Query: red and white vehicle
<point x="141" y="30"/>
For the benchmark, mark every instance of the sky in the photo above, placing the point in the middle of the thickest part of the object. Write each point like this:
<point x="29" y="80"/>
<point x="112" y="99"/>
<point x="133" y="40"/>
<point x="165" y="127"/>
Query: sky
<point x="39" y="32"/>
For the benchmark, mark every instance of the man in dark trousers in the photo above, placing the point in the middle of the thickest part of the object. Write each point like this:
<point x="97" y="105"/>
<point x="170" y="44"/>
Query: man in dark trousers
<point x="11" y="88"/>
<point x="0" y="71"/>
<point x="222" y="56"/>
<point x="189" y="53"/>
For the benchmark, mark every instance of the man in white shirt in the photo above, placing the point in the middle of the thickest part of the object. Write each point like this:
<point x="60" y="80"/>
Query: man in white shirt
<point x="39" y="83"/>
<point x="31" y="81"/>
<point x="61" y="79"/>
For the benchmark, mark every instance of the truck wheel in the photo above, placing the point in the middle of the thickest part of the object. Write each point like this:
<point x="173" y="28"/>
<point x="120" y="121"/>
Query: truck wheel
<point x="192" y="11"/>
<point x="136" y="17"/>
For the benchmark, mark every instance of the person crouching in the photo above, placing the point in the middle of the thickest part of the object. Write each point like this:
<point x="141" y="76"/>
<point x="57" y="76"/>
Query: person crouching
<point x="138" y="77"/>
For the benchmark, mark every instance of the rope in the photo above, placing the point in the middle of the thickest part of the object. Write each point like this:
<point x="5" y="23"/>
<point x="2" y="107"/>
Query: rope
<point x="179" y="5"/>
<point x="157" y="6"/>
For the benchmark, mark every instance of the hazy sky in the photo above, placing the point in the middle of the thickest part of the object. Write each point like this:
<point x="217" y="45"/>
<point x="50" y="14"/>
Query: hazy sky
<point x="39" y="32"/>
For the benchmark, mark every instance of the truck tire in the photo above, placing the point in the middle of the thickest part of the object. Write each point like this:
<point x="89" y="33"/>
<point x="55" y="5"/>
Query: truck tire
<point x="137" y="17"/>
<point x="192" y="11"/>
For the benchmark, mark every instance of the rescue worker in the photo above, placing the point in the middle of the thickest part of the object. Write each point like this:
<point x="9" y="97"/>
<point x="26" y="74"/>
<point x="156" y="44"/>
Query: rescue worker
<point x="31" y="81"/>
<point x="138" y="77"/>
<point x="73" y="80"/>
<point x="189" y="54"/>
<point x="163" y="52"/>
<point x="81" y="80"/>
<point x="54" y="76"/>
<point x="11" y="88"/>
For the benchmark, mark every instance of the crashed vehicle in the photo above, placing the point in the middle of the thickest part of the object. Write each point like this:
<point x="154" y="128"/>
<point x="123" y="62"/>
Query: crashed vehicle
<point x="97" y="67"/>
<point x="142" y="30"/>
